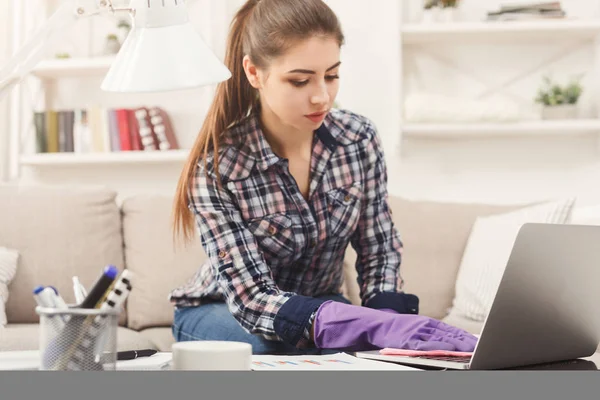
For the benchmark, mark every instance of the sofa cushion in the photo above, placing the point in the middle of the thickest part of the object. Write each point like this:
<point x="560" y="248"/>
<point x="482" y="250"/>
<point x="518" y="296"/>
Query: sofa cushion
<point x="59" y="231"/>
<point x="26" y="337"/>
<point x="434" y="235"/>
<point x="162" y="338"/>
<point x="459" y="321"/>
<point x="158" y="265"/>
<point x="488" y="250"/>
<point x="8" y="267"/>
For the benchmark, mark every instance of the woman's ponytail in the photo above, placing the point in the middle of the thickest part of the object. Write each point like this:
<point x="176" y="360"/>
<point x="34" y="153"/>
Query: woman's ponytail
<point x="232" y="102"/>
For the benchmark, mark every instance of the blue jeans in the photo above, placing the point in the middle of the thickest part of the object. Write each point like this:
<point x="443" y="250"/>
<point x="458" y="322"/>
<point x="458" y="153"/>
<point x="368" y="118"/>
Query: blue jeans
<point x="213" y="321"/>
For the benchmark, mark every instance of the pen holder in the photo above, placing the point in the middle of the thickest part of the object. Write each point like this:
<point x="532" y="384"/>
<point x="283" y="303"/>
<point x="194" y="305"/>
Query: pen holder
<point x="78" y="339"/>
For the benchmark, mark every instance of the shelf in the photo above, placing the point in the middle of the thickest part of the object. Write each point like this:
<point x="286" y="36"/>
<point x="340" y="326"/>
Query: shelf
<point x="509" y="129"/>
<point x="541" y="29"/>
<point x="126" y="157"/>
<point x="73" y="67"/>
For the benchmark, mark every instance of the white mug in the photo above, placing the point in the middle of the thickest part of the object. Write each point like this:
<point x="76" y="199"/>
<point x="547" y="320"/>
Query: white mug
<point x="212" y="356"/>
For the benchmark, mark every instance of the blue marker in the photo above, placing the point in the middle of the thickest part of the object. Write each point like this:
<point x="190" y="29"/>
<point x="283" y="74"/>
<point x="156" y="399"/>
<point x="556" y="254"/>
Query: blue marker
<point x="99" y="289"/>
<point x="39" y="299"/>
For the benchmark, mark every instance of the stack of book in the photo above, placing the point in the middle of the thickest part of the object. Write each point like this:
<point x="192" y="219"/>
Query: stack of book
<point x="98" y="129"/>
<point x="527" y="11"/>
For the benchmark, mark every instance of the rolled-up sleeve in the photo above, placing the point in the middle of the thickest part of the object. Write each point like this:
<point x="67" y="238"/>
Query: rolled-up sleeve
<point x="241" y="271"/>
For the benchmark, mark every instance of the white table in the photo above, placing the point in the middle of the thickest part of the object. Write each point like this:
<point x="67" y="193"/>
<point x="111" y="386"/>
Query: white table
<point x="29" y="360"/>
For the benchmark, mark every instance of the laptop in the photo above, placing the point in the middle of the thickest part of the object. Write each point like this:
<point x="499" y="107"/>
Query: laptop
<point x="546" y="308"/>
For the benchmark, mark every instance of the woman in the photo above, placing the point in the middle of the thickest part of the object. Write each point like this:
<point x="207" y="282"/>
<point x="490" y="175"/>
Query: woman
<point x="280" y="183"/>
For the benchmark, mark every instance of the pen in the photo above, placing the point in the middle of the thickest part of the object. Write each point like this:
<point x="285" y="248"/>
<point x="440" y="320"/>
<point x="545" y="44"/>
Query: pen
<point x="78" y="290"/>
<point x="57" y="300"/>
<point x="115" y="300"/>
<point x="99" y="288"/>
<point x="133" y="354"/>
<point x="44" y="297"/>
<point x="41" y="299"/>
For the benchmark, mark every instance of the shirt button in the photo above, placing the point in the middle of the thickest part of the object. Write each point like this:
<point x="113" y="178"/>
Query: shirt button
<point x="222" y="254"/>
<point x="347" y="198"/>
<point x="272" y="230"/>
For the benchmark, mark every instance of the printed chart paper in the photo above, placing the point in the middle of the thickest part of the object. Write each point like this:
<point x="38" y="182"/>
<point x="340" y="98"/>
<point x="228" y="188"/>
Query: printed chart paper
<point x="333" y="362"/>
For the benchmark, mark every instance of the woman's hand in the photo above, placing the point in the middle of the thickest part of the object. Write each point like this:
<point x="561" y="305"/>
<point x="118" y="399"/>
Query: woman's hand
<point x="343" y="326"/>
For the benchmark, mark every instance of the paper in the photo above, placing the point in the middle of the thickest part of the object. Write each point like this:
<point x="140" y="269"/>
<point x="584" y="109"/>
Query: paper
<point x="418" y="353"/>
<point x="334" y="362"/>
<point x="157" y="362"/>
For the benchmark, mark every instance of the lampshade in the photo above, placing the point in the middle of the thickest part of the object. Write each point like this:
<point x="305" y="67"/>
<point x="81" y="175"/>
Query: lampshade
<point x="163" y="52"/>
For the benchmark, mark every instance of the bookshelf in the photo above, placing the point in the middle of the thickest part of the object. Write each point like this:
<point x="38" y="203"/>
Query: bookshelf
<point x="545" y="30"/>
<point x="578" y="33"/>
<point x="121" y="158"/>
<point x="73" y="67"/>
<point x="509" y="129"/>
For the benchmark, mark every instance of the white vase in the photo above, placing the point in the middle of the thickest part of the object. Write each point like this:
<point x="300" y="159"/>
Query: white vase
<point x="431" y="15"/>
<point x="448" y="14"/>
<point x="561" y="111"/>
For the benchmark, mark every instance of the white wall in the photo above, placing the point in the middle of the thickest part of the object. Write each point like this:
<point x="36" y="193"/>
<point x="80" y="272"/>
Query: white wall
<point x="499" y="170"/>
<point x="370" y="72"/>
<point x="4" y="51"/>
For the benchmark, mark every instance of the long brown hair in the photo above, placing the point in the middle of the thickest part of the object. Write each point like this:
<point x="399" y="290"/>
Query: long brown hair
<point x="263" y="30"/>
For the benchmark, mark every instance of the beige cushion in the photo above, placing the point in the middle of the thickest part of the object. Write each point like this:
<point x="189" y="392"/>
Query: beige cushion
<point x="434" y="237"/>
<point x="8" y="267"/>
<point x="26" y="337"/>
<point x="487" y="252"/>
<point x="474" y="327"/>
<point x="59" y="231"/>
<point x="150" y="254"/>
<point x="162" y="338"/>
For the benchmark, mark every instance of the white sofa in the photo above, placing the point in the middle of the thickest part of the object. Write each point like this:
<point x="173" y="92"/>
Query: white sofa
<point x="65" y="231"/>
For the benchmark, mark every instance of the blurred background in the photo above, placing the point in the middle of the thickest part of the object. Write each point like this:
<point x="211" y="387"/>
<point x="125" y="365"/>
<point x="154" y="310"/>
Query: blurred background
<point x="475" y="100"/>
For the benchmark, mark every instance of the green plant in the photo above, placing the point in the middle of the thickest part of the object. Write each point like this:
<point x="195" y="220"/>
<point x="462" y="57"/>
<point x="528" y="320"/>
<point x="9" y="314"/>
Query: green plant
<point x="123" y="23"/>
<point x="62" y="55"/>
<point x="111" y="36"/>
<point x="552" y="93"/>
<point x="449" y="3"/>
<point x="429" y="4"/>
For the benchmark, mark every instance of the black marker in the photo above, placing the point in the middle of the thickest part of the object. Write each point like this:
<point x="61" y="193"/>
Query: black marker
<point x="96" y="295"/>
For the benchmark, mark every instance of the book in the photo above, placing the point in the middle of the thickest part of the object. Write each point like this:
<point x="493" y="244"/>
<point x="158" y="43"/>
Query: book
<point x="39" y="121"/>
<point x="149" y="142"/>
<point x="123" y="129"/>
<point x="163" y="129"/>
<point x="52" y="131"/>
<point x="65" y="130"/>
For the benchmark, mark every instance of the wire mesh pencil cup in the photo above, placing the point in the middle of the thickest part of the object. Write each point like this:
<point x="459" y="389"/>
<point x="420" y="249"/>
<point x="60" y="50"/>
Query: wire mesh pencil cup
<point x="78" y="339"/>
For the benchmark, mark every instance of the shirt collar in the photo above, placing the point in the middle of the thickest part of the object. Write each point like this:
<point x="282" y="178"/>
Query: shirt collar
<point x="330" y="132"/>
<point x="260" y="148"/>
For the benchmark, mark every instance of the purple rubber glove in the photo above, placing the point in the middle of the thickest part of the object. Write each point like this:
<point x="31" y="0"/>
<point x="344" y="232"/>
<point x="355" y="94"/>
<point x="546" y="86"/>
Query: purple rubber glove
<point x="343" y="326"/>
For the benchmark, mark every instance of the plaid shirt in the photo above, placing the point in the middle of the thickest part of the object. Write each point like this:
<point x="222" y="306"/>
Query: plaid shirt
<point x="270" y="251"/>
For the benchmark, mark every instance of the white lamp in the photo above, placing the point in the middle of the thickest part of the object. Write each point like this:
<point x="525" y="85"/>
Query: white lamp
<point x="162" y="52"/>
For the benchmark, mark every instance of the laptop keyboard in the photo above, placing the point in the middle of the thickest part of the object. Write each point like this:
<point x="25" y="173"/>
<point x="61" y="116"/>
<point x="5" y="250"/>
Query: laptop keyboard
<point x="462" y="360"/>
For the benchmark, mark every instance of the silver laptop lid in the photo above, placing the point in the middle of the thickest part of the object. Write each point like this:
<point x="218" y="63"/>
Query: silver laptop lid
<point x="547" y="307"/>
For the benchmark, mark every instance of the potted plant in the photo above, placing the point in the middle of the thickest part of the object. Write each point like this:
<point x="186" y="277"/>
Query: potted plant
<point x="449" y="10"/>
<point x="431" y="11"/>
<point x="559" y="101"/>
<point x="112" y="45"/>
<point x="124" y="27"/>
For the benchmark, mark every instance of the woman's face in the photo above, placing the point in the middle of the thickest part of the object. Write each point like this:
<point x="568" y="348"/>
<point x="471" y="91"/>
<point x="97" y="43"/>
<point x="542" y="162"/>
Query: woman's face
<point x="299" y="87"/>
